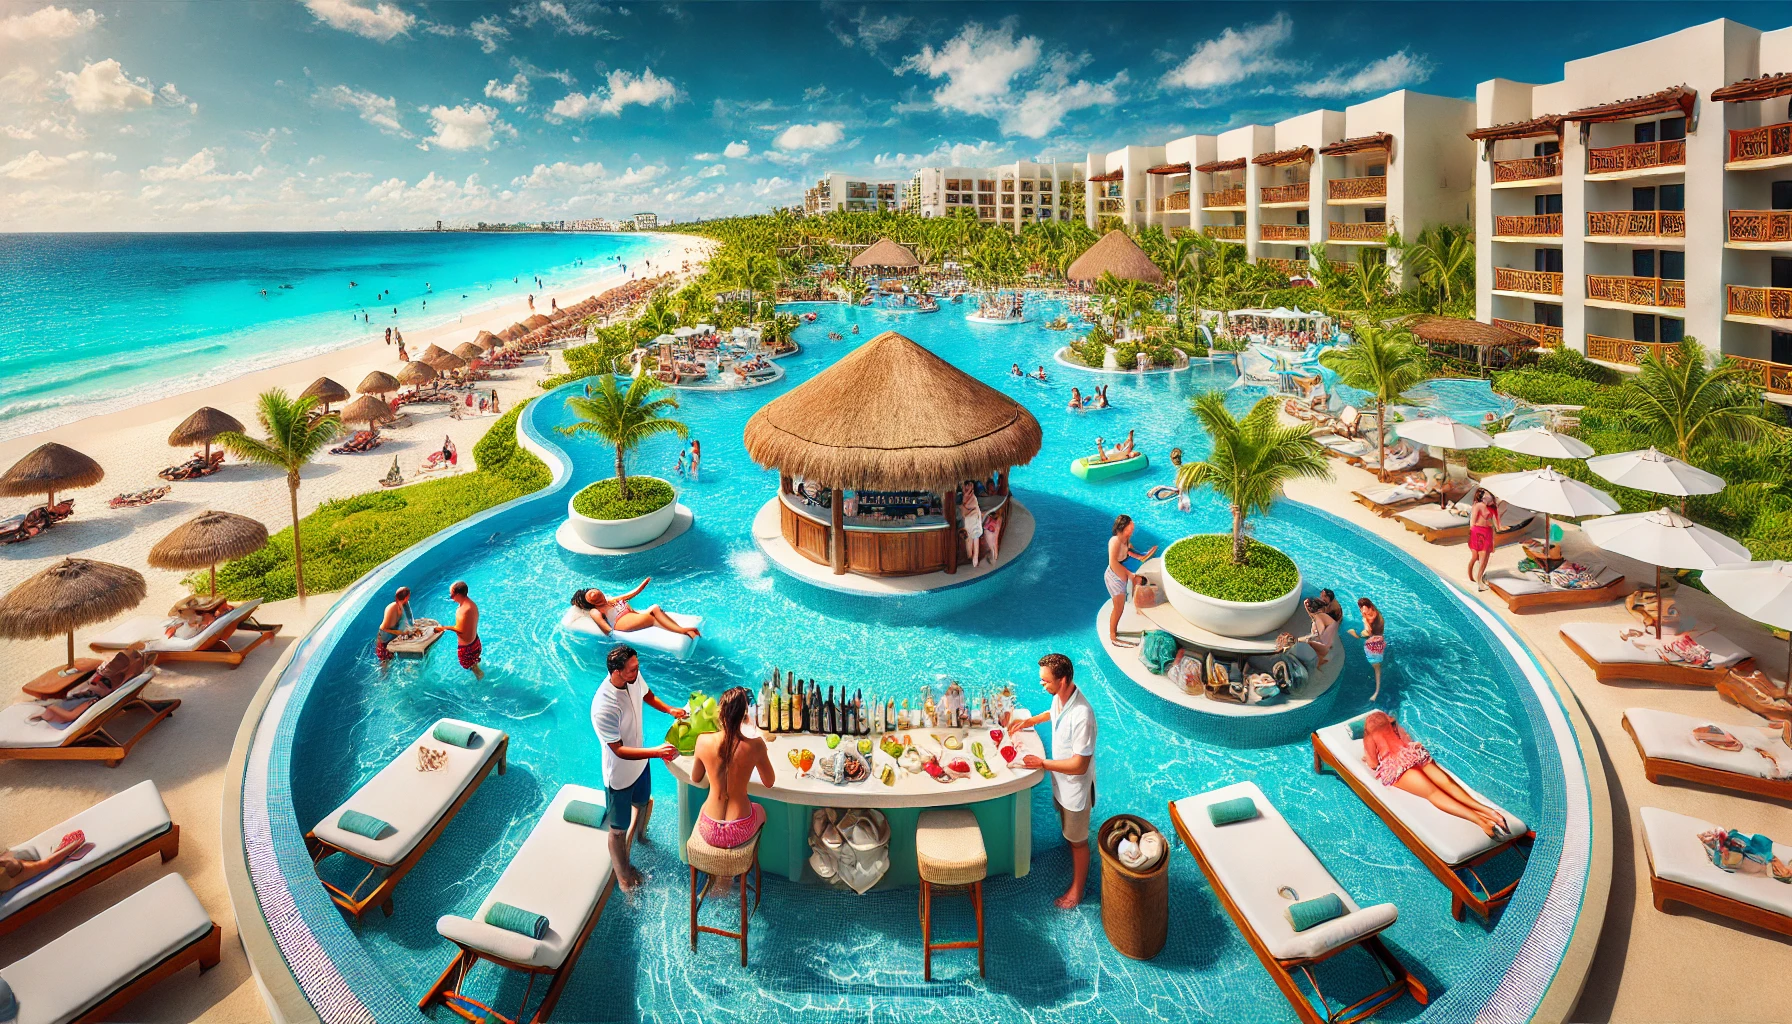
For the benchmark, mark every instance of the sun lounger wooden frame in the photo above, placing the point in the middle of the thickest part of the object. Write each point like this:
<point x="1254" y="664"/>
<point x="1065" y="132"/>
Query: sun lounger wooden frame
<point x="1402" y="981"/>
<point x="205" y="951"/>
<point x="165" y="843"/>
<point x="381" y="895"/>
<point x="1504" y="535"/>
<point x="1743" y="690"/>
<point x="219" y="650"/>
<point x="1483" y="903"/>
<point x="1557" y="597"/>
<point x="1392" y="509"/>
<point x="1659" y="672"/>
<point x="1655" y="768"/>
<point x="1664" y="892"/>
<point x="94" y="742"/>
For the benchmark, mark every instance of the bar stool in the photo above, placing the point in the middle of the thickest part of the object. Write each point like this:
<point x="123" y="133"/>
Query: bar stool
<point x="720" y="864"/>
<point x="949" y="852"/>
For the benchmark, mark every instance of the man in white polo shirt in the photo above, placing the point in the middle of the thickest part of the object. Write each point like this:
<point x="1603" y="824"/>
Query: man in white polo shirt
<point x="1072" y="764"/>
<point x="616" y="716"/>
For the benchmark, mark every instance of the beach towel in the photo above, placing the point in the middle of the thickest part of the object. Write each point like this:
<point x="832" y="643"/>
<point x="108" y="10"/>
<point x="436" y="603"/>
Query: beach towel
<point x="1157" y="651"/>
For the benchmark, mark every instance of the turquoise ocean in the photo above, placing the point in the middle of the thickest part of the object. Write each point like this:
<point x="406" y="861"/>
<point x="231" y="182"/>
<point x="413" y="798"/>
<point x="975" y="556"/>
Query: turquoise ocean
<point x="93" y="323"/>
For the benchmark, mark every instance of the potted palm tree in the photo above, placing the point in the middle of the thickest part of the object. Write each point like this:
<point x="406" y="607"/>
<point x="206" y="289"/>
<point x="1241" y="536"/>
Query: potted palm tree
<point x="1234" y="585"/>
<point x="1383" y="362"/>
<point x="624" y="511"/>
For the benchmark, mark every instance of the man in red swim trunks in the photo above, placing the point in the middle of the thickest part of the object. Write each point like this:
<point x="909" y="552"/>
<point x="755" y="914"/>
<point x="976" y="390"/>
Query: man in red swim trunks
<point x="398" y="617"/>
<point x="466" y="628"/>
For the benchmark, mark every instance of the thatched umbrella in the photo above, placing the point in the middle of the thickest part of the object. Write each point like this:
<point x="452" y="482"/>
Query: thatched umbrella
<point x="207" y="539"/>
<point x="369" y="410"/>
<point x="49" y="468"/>
<point x="378" y="383"/>
<point x="446" y="361"/>
<point x="74" y="592"/>
<point x="513" y="332"/>
<point x="487" y="340"/>
<point x="536" y="321"/>
<point x="1116" y="253"/>
<point x="202" y="427"/>
<point x="416" y="373"/>
<point x="326" y="391"/>
<point x="469" y="351"/>
<point x="429" y="354"/>
<point x="884" y="254"/>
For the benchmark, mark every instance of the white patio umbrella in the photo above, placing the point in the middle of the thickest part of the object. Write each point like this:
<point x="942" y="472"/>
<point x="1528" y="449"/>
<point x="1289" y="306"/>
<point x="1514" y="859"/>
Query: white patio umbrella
<point x="1665" y="538"/>
<point x="1549" y="492"/>
<point x="1657" y="471"/>
<point x="1760" y="590"/>
<point x="1443" y="432"/>
<point x="1543" y="443"/>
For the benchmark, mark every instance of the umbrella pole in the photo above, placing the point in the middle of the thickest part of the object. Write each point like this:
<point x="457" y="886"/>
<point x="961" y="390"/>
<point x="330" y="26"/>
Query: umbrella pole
<point x="214" y="579"/>
<point x="1659" y="602"/>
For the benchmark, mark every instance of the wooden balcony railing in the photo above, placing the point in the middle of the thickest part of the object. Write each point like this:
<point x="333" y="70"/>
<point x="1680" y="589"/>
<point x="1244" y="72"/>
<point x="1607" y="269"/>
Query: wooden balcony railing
<point x="1637" y="156"/>
<point x="1629" y="353"/>
<point x="1295" y="193"/>
<point x="1225" y="232"/>
<point x="1528" y="168"/>
<point x="1282" y="232"/>
<point x="1644" y="223"/>
<point x="1774" y="377"/>
<point x="1357" y="188"/>
<point x="1535" y="282"/>
<point x="1637" y="291"/>
<point x="1761" y="225"/>
<point x="1224" y="197"/>
<point x="1766" y="303"/>
<point x="1541" y="225"/>
<point x="1287" y="267"/>
<point x="1358" y="232"/>
<point x="1774" y="140"/>
<point x="1542" y="334"/>
<point x="1173" y="201"/>
<point x="1106" y="205"/>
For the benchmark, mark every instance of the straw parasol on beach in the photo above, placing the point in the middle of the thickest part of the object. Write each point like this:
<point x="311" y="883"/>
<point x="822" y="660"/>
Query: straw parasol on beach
<point x="416" y="373"/>
<point x="369" y="410"/>
<point x="202" y="427"/>
<point x="207" y="539"/>
<point x="326" y="391"/>
<point x="446" y="361"/>
<point x="513" y="332"/>
<point x="487" y="340"/>
<point x="50" y="468"/>
<point x="378" y="383"/>
<point x="74" y="592"/>
<point x="429" y="354"/>
<point x="536" y="321"/>
<point x="469" y="351"/>
<point x="884" y="254"/>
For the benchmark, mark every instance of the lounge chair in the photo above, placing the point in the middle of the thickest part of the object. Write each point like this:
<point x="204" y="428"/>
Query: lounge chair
<point x="1680" y="871"/>
<point x="228" y="639"/>
<point x="124" y="829"/>
<point x="563" y="873"/>
<point x="1763" y="766"/>
<point x="94" y="970"/>
<point x="1248" y="864"/>
<point x="1753" y="691"/>
<point x="1451" y="847"/>
<point x="1438" y="525"/>
<point x="1349" y="449"/>
<point x="1386" y="500"/>
<point x="88" y="738"/>
<point x="1612" y="656"/>
<point x="1525" y="591"/>
<point x="415" y="805"/>
<point x="1401" y="457"/>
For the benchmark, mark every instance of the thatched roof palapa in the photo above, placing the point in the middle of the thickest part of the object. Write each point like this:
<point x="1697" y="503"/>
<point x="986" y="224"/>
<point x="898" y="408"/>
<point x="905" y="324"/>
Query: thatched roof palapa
<point x="1449" y="330"/>
<point x="368" y="409"/>
<point x="203" y="426"/>
<point x="207" y="539"/>
<point x="378" y="383"/>
<point x="885" y="254"/>
<point x="429" y="354"/>
<point x="74" y="592"/>
<point x="416" y="373"/>
<point x="513" y="332"/>
<point x="536" y="321"/>
<point x="487" y="340"/>
<point x="893" y="415"/>
<point x="446" y="361"/>
<point x="50" y="468"/>
<point x="326" y="391"/>
<point x="469" y="351"/>
<point x="1119" y="255"/>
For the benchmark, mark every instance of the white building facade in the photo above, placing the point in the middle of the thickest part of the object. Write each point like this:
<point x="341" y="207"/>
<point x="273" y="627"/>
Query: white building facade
<point x="834" y="191"/>
<point x="1012" y="194"/>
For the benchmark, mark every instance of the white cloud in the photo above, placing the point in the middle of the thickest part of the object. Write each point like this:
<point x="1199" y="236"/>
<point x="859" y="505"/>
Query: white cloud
<point x="46" y="24"/>
<point x="379" y="111"/>
<point x="959" y="154"/>
<point x="869" y="32"/>
<point x="1044" y="106"/>
<point x="201" y="166"/>
<point x="36" y="165"/>
<point x="382" y="21"/>
<point x="53" y="124"/>
<point x="1397" y="69"/>
<point x="639" y="175"/>
<point x="622" y="89"/>
<point x="713" y="170"/>
<point x="1235" y="55"/>
<point x="471" y="126"/>
<point x="736" y="150"/>
<point x="558" y="15"/>
<point x="431" y="195"/>
<point x="512" y="92"/>
<point x="488" y="32"/>
<point x="810" y="136"/>
<point x="103" y="86"/>
<point x="560" y="174"/>
<point x="978" y="64"/>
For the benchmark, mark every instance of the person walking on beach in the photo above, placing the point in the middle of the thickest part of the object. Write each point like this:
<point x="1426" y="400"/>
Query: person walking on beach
<point x="403" y="357"/>
<point x="1072" y="764"/>
<point x="531" y="302"/>
<point x="1118" y="577"/>
<point x="393" y="626"/>
<point x="1483" y="521"/>
<point x="465" y="629"/>
<point x="616" y="718"/>
<point x="1374" y="637"/>
<point x="388" y="335"/>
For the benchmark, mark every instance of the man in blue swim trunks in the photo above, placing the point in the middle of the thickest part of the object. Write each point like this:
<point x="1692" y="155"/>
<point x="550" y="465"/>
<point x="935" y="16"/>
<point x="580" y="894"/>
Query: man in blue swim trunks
<point x="616" y="716"/>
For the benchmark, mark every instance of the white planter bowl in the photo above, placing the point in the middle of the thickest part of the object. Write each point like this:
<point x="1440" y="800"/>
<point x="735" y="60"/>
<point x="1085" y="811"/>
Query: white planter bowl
<point x="623" y="533"/>
<point x="1231" y="618"/>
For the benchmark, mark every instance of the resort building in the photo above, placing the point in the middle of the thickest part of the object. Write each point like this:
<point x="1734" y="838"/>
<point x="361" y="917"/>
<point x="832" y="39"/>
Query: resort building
<point x="834" y="191"/>
<point x="1326" y="183"/>
<point x="645" y="221"/>
<point x="1644" y="197"/>
<point x="1012" y="195"/>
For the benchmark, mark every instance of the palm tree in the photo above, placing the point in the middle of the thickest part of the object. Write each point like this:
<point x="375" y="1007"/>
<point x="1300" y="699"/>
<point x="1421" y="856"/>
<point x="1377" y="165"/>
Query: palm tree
<point x="294" y="438"/>
<point x="1384" y="362"/>
<point x="1683" y="403"/>
<point x="1252" y="459"/>
<point x="659" y="317"/>
<point x="625" y="418"/>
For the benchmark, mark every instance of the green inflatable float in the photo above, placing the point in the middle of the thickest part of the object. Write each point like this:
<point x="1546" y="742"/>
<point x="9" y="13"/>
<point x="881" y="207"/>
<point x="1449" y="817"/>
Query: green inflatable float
<point x="1092" y="469"/>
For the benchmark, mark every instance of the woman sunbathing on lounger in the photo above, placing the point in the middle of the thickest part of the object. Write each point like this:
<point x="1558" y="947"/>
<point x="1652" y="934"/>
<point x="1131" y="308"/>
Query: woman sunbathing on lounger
<point x="19" y="867"/>
<point x="119" y="669"/>
<point x="618" y="615"/>
<point x="1398" y="761"/>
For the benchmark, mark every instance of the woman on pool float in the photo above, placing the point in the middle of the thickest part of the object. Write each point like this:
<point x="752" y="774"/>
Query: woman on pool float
<point x="616" y="614"/>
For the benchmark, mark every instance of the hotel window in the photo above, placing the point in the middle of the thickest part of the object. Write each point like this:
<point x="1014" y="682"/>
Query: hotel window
<point x="1782" y="195"/>
<point x="1642" y="326"/>
<point x="1782" y="347"/>
<point x="1547" y="204"/>
<point x="1548" y="261"/>
<point x="1546" y="148"/>
<point x="1300" y="254"/>
<point x="1026" y="186"/>
<point x="1546" y="313"/>
<point x="1375" y="214"/>
<point x="1301" y="217"/>
<point x="1780" y="272"/>
<point x="1378" y="170"/>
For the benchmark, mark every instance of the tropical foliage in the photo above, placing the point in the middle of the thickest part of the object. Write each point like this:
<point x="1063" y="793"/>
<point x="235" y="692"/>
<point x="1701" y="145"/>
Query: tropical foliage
<point x="1383" y="361"/>
<point x="295" y="437"/>
<point x="1252" y="459"/>
<point x="625" y="417"/>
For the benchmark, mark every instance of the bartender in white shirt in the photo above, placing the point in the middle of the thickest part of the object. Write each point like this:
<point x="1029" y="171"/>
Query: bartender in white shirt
<point x="1072" y="764"/>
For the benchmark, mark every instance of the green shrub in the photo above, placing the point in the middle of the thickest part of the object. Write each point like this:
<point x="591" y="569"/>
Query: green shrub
<point x="645" y="494"/>
<point x="1203" y="564"/>
<point x="1569" y="362"/>
<point x="1090" y="351"/>
<point x="1126" y="354"/>
<point x="1543" y="387"/>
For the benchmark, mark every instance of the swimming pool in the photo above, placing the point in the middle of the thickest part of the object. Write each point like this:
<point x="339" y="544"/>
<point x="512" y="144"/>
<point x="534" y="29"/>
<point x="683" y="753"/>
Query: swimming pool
<point x="819" y="955"/>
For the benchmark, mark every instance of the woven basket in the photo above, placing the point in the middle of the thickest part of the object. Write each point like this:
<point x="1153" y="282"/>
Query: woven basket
<point x="1135" y="906"/>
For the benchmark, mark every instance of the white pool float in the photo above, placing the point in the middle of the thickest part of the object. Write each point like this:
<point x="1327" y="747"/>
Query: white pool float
<point x="653" y="637"/>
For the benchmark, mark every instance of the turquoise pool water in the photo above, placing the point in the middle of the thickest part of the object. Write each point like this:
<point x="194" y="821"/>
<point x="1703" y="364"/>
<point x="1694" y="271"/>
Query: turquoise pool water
<point x="827" y="956"/>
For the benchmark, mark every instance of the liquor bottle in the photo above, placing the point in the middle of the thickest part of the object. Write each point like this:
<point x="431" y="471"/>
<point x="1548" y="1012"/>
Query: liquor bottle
<point x="902" y="716"/>
<point x="877" y="716"/>
<point x="771" y="712"/>
<point x="858" y="713"/>
<point x="795" y="714"/>
<point x="784" y="719"/>
<point x="828" y="724"/>
<point x="890" y="715"/>
<point x="847" y="723"/>
<point x="819" y="718"/>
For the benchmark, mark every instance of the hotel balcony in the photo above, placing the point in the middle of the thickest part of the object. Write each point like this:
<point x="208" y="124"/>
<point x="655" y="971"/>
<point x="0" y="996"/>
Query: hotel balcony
<point x="1365" y="232"/>
<point x="1636" y="226"/>
<point x="1543" y="334"/>
<point x="1621" y="353"/>
<point x="1527" y="170"/>
<point x="1106" y="204"/>
<point x="1287" y="267"/>
<point x="1283" y="233"/>
<point x="1356" y="190"/>
<point x="1636" y="160"/>
<point x="1770" y="146"/>
<point x="1774" y="378"/>
<point x="1225" y="232"/>
<point x="1770" y="306"/>
<point x="1173" y="201"/>
<point x="1634" y="292"/>
<point x="1225" y="199"/>
<point x="1527" y="282"/>
<point x="1541" y="225"/>
<point x="1284" y="195"/>
<point x="1760" y="229"/>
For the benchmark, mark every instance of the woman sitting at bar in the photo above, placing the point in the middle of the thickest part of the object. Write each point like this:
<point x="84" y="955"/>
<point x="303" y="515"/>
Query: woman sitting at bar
<point x="729" y="760"/>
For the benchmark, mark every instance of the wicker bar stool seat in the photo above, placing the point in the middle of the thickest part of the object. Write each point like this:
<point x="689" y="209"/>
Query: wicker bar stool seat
<point x="715" y="864"/>
<point x="949" y="853"/>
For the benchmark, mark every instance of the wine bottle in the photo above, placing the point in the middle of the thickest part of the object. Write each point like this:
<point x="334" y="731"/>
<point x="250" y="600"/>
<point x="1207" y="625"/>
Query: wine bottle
<point x="784" y="719"/>
<point x="858" y="712"/>
<point x="827" y="711"/>
<point x="818" y="722"/>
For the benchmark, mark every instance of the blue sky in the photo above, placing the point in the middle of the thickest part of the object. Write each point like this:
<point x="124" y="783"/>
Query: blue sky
<point x="160" y="115"/>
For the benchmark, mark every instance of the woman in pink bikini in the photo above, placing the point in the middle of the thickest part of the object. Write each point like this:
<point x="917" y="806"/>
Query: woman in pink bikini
<point x="1400" y="762"/>
<point x="1483" y="520"/>
<point x="729" y="760"/>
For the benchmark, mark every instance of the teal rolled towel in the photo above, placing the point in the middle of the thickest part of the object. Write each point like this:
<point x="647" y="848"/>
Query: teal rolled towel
<point x="1309" y="913"/>
<point x="516" y="919"/>
<point x="1356" y="726"/>
<point x="455" y="734"/>
<point x="584" y="812"/>
<point x="362" y="824"/>
<point x="1226" y="812"/>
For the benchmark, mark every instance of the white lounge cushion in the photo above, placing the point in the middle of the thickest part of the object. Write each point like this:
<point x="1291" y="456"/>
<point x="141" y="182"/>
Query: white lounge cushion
<point x="113" y="825"/>
<point x="1678" y="856"/>
<point x="1454" y="840"/>
<point x="409" y="800"/>
<point x="1254" y="858"/>
<point x="1432" y="517"/>
<point x="17" y="731"/>
<point x="560" y="872"/>
<point x="1668" y="736"/>
<point x="1603" y="644"/>
<point x="83" y="967"/>
<point x="577" y="620"/>
<point x="153" y="632"/>
<point x="1390" y="494"/>
<point x="1517" y="583"/>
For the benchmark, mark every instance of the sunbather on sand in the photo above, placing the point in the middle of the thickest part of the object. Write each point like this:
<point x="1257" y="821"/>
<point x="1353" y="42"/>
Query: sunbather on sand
<point x="17" y="867"/>
<point x="616" y="614"/>
<point x="1398" y="761"/>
